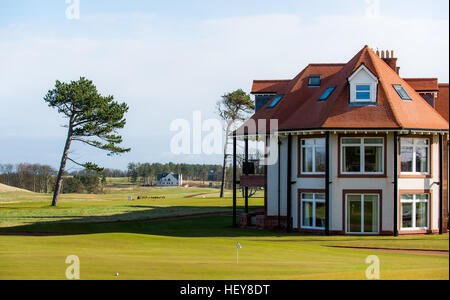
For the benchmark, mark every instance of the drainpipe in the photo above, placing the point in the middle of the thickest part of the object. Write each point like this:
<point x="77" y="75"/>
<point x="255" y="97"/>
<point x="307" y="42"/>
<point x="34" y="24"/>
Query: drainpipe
<point x="234" y="181"/>
<point x="441" y="184"/>
<point x="327" y="184"/>
<point x="396" y="141"/>
<point x="279" y="183"/>
<point x="289" y="185"/>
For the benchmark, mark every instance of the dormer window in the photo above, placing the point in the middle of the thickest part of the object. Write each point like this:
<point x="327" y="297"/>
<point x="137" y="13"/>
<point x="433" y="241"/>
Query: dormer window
<point x="315" y="80"/>
<point x="363" y="87"/>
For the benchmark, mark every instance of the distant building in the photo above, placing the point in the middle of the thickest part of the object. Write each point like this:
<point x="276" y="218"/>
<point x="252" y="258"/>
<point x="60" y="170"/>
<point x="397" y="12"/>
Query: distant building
<point x="212" y="176"/>
<point x="169" y="179"/>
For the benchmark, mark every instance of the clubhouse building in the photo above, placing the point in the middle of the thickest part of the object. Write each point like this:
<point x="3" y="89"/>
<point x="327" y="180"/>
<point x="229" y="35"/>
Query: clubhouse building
<point x="359" y="150"/>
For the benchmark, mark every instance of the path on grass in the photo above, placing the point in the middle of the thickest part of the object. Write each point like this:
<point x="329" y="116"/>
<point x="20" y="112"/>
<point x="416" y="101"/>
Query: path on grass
<point x="197" y="195"/>
<point x="416" y="251"/>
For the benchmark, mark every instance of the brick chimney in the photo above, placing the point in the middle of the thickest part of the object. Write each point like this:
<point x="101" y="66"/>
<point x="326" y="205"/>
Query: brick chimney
<point x="390" y="59"/>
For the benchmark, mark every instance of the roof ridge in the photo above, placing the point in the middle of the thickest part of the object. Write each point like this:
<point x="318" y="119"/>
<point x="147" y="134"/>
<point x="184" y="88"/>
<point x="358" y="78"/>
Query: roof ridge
<point x="417" y="96"/>
<point x="327" y="64"/>
<point x="421" y="78"/>
<point x="375" y="61"/>
<point x="272" y="80"/>
<point x="350" y="68"/>
<point x="329" y="104"/>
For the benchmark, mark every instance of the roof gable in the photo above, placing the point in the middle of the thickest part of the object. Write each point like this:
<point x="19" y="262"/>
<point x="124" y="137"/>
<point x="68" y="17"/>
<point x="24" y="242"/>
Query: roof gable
<point x="363" y="68"/>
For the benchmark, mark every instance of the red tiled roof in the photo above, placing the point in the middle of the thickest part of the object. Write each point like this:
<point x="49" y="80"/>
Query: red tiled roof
<point x="301" y="110"/>
<point x="423" y="84"/>
<point x="442" y="101"/>
<point x="268" y="86"/>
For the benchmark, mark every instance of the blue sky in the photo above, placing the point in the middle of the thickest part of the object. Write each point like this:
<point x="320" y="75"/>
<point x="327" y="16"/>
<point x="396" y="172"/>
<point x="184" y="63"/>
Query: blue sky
<point x="50" y="10"/>
<point x="167" y="59"/>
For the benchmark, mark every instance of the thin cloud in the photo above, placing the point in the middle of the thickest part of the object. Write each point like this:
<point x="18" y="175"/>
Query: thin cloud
<point x="169" y="73"/>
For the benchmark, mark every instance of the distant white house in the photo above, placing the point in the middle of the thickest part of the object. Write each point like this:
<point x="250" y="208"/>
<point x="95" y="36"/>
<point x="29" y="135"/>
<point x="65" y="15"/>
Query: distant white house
<point x="169" y="179"/>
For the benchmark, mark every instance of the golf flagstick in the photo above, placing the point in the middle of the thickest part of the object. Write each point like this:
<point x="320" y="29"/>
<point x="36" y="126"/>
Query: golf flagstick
<point x="238" y="247"/>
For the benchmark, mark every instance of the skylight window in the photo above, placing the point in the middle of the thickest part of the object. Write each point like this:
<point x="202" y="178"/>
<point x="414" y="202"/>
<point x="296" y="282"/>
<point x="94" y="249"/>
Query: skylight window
<point x="315" y="80"/>
<point x="401" y="92"/>
<point x="276" y="101"/>
<point x="327" y="93"/>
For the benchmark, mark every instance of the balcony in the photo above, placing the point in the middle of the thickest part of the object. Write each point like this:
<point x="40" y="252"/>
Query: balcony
<point x="253" y="181"/>
<point x="253" y="175"/>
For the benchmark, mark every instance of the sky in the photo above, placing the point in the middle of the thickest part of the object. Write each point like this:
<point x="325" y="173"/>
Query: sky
<point x="167" y="59"/>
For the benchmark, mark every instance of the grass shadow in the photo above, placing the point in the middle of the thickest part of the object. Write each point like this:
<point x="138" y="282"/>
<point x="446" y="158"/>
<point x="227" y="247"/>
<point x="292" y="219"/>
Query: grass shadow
<point x="175" y="221"/>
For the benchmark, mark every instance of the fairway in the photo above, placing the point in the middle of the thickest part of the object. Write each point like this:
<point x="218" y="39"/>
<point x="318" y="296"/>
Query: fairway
<point x="188" y="249"/>
<point x="18" y="208"/>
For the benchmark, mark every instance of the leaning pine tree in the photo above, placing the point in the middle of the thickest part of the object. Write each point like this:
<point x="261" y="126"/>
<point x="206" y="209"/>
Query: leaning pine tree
<point x="92" y="120"/>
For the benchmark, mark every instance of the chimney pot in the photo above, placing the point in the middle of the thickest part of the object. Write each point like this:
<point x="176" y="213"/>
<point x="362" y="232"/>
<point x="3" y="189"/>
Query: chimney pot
<point x="390" y="60"/>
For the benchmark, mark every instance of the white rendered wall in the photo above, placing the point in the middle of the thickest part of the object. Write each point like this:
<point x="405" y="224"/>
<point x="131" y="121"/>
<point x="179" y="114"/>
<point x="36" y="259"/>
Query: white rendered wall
<point x="341" y="184"/>
<point x="272" y="183"/>
<point x="427" y="183"/>
<point x="338" y="185"/>
<point x="301" y="183"/>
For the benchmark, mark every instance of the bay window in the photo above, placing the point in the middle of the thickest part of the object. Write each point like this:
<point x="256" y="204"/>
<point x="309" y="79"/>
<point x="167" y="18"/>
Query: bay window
<point x="362" y="155"/>
<point x="415" y="156"/>
<point x="313" y="210"/>
<point x="415" y="210"/>
<point x="313" y="156"/>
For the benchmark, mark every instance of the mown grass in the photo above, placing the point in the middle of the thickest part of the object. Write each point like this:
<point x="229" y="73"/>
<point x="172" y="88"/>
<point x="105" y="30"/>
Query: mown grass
<point x="191" y="249"/>
<point x="205" y="248"/>
<point x="27" y="208"/>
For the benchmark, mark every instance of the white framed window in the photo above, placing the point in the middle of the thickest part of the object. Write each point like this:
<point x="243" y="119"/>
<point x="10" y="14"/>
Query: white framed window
<point x="362" y="211"/>
<point x="415" y="211"/>
<point x="313" y="156"/>
<point x="363" y="93"/>
<point x="313" y="210"/>
<point x="363" y="87"/>
<point x="362" y="156"/>
<point x="415" y="156"/>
